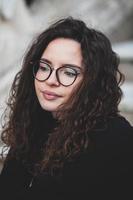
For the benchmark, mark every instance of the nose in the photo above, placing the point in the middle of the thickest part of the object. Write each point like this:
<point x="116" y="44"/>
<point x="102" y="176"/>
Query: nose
<point x="52" y="80"/>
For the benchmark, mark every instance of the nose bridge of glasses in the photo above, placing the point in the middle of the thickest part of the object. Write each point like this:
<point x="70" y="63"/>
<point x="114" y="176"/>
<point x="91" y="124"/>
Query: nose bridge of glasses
<point x="53" y="76"/>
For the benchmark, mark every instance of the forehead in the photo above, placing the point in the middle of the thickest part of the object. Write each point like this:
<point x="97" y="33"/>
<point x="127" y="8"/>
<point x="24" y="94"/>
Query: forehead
<point x="63" y="50"/>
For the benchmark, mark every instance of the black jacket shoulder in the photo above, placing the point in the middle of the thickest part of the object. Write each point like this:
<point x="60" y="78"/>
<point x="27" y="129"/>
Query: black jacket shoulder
<point x="107" y="167"/>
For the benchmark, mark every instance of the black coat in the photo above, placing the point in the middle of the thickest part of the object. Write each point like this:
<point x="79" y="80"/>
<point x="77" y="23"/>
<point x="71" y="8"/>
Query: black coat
<point x="104" y="172"/>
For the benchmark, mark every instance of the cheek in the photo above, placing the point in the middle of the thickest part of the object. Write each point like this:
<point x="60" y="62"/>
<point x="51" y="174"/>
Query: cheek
<point x="68" y="93"/>
<point x="77" y="84"/>
<point x="36" y="87"/>
<point x="72" y="89"/>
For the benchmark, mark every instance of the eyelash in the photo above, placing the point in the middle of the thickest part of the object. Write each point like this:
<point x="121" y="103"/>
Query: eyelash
<point x="70" y="74"/>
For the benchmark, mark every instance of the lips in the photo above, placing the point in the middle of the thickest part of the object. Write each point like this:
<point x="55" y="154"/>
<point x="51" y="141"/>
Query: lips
<point x="50" y="95"/>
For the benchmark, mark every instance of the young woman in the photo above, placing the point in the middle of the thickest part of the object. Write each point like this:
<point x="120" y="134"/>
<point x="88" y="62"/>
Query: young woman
<point x="64" y="130"/>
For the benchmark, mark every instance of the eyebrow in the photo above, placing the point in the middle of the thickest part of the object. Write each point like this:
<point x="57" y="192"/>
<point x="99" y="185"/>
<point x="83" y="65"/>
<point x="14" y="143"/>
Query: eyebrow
<point x="46" y="60"/>
<point x="65" y="65"/>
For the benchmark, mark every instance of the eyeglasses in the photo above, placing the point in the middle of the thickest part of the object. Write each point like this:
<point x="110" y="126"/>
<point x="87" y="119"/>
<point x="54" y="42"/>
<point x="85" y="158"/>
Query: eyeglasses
<point x="66" y="75"/>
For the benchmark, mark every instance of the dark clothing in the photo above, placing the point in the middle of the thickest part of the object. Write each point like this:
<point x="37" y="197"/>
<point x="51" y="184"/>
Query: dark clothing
<point x="106" y="171"/>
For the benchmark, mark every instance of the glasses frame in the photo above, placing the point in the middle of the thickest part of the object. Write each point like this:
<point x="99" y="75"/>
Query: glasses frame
<point x="35" y="69"/>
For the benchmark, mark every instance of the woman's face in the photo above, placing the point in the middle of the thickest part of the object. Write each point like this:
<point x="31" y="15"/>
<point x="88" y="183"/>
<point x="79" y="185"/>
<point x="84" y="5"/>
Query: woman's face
<point x="59" y="53"/>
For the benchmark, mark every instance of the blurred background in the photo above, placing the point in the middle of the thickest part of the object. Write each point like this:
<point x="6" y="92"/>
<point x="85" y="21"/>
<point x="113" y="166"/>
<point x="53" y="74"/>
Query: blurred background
<point x="22" y="20"/>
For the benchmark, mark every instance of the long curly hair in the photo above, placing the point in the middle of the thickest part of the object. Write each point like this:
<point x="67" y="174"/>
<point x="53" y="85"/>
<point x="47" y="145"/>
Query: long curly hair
<point x="32" y="134"/>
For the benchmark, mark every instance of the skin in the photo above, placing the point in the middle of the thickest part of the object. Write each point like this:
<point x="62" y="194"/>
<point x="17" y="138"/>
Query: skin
<point x="50" y="93"/>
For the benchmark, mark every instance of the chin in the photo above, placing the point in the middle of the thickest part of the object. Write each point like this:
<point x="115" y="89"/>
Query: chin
<point x="49" y="108"/>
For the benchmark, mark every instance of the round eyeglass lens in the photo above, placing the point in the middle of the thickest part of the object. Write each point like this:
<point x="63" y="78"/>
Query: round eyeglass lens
<point x="66" y="75"/>
<point x="43" y="71"/>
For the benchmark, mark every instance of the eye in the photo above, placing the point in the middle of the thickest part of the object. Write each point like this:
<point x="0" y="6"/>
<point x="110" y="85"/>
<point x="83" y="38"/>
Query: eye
<point x="70" y="74"/>
<point x="44" y="66"/>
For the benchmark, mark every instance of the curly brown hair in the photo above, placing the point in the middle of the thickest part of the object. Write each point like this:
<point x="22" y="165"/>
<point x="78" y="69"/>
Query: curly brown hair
<point x="31" y="132"/>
